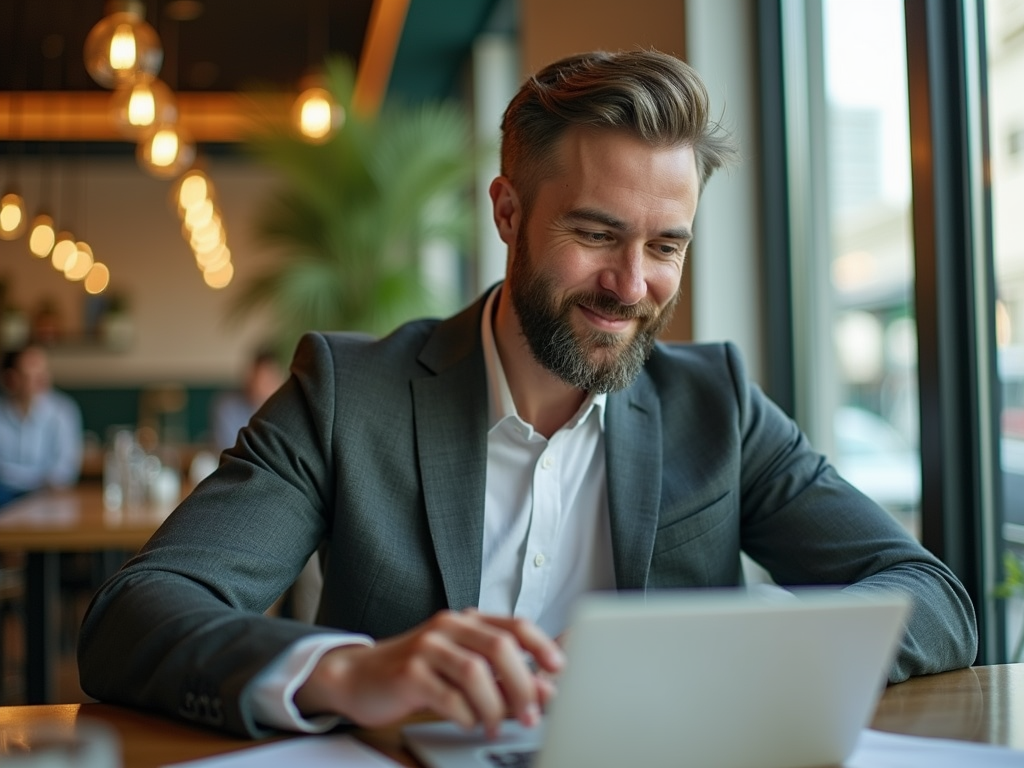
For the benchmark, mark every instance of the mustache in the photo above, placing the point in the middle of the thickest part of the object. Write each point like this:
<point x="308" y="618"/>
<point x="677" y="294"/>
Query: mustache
<point x="609" y="306"/>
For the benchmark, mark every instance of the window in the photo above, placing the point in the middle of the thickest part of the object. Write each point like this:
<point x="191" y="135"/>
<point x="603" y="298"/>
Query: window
<point x="895" y="287"/>
<point x="871" y="273"/>
<point x="1004" y="56"/>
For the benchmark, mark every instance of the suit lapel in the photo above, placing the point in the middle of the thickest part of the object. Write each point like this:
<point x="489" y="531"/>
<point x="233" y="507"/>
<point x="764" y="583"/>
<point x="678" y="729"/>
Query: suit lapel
<point x="450" y="413"/>
<point x="634" y="453"/>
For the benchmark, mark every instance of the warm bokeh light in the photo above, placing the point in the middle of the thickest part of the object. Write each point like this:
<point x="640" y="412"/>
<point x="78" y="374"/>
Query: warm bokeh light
<point x="166" y="153"/>
<point x="214" y="260"/>
<point x="193" y="190"/>
<point x="42" y="237"/>
<point x="204" y="259"/>
<point x="82" y="263"/>
<point x="98" y="278"/>
<point x="207" y="237"/>
<point x="142" y="104"/>
<point x="12" y="216"/>
<point x="219" y="278"/>
<point x="317" y="115"/>
<point x="199" y="215"/>
<point x="64" y="250"/>
<point x="122" y="46"/>
<point x="165" y="147"/>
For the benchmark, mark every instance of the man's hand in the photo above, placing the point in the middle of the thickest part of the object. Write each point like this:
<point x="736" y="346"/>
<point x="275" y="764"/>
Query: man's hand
<point x="467" y="667"/>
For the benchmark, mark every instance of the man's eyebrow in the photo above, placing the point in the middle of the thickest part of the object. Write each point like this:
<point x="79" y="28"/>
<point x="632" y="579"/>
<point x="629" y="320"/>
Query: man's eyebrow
<point x="595" y="216"/>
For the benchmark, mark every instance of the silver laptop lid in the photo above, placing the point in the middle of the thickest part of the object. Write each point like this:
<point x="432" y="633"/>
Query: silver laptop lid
<point x="721" y="678"/>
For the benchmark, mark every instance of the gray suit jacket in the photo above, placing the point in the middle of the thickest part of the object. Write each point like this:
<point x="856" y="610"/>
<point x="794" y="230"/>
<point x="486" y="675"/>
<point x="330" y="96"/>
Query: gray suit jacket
<point x="377" y="450"/>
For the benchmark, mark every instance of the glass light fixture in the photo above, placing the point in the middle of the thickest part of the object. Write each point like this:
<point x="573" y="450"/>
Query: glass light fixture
<point x="122" y="46"/>
<point x="316" y="115"/>
<point x="142" y="104"/>
<point x="12" y="216"/>
<point x="166" y="152"/>
<point x="42" y="237"/>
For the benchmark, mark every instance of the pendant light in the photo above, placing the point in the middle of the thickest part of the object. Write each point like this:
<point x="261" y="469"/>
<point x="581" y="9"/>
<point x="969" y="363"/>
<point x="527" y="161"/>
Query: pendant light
<point x="43" y="233"/>
<point x="42" y="237"/>
<point x="12" y="216"/>
<point x="315" y="114"/>
<point x="13" y="220"/>
<point x="121" y="46"/>
<point x="141" y="105"/>
<point x="166" y="152"/>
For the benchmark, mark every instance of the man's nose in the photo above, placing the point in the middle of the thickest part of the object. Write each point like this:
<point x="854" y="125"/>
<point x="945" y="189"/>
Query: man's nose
<point x="625" y="277"/>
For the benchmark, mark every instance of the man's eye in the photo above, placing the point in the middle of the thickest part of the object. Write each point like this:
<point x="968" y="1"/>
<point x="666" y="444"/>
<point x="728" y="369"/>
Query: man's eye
<point x="667" y="249"/>
<point x="594" y="237"/>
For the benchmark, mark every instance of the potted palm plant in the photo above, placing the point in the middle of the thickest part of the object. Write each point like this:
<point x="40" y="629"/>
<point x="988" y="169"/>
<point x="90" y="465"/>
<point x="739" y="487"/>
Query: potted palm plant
<point x="353" y="214"/>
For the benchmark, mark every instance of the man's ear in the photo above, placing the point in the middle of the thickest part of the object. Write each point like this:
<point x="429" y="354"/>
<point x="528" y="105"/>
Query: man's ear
<point x="506" y="209"/>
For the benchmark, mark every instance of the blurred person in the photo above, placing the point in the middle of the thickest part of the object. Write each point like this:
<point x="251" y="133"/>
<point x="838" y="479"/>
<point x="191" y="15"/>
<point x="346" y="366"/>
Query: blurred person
<point x="468" y="478"/>
<point x="232" y="410"/>
<point x="40" y="427"/>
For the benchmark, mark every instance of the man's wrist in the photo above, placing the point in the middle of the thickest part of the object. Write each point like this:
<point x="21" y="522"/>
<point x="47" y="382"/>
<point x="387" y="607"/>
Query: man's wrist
<point x="275" y="688"/>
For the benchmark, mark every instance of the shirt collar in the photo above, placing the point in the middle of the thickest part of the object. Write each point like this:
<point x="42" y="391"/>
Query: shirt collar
<point x="501" y="405"/>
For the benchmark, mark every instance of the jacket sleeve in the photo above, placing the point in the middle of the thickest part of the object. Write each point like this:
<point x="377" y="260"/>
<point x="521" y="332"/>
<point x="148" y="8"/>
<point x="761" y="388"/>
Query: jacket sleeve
<point x="181" y="628"/>
<point x="808" y="526"/>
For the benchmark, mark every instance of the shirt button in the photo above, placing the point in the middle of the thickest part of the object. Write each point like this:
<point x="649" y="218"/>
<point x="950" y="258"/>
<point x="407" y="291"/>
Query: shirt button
<point x="547" y="462"/>
<point x="538" y="560"/>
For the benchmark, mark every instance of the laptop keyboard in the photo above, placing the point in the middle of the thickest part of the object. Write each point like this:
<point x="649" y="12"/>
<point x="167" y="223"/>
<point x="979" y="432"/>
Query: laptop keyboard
<point x="511" y="758"/>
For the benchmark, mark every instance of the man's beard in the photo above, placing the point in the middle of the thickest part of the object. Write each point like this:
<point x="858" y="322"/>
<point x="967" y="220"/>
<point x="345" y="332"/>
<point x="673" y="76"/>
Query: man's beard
<point x="592" y="360"/>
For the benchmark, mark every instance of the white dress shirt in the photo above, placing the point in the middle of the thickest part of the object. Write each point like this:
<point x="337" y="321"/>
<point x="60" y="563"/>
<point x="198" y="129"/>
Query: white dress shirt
<point x="547" y="535"/>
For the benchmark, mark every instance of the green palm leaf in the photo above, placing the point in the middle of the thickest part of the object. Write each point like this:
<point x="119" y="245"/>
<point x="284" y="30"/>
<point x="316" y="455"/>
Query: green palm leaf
<point x="352" y="215"/>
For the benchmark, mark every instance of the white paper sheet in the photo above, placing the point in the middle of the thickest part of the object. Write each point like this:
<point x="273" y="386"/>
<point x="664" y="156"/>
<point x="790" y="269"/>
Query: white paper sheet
<point x="877" y="749"/>
<point x="336" y="751"/>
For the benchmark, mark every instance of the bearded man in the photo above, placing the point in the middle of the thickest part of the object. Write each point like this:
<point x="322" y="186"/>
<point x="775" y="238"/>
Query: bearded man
<point x="467" y="479"/>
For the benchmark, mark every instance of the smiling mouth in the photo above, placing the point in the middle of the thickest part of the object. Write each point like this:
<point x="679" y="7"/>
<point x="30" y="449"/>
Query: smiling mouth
<point x="607" y="321"/>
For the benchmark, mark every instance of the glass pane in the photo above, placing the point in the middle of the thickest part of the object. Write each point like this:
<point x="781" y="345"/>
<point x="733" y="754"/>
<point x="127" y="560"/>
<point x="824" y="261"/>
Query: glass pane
<point x="1004" y="30"/>
<point x="875" y="422"/>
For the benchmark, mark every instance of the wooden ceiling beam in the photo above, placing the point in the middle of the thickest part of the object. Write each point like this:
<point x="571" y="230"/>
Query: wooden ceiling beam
<point x="383" y="34"/>
<point x="86" y="116"/>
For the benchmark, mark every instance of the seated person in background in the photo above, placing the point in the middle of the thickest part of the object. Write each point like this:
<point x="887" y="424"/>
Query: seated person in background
<point x="232" y="410"/>
<point x="40" y="428"/>
<point x="470" y="477"/>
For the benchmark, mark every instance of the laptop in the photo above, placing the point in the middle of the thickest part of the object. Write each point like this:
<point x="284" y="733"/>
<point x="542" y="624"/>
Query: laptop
<point x="703" y="678"/>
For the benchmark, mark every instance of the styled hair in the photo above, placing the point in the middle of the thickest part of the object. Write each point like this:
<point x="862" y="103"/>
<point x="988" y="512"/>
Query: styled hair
<point x="651" y="95"/>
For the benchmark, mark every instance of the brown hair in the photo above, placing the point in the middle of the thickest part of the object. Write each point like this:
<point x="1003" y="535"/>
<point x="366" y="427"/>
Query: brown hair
<point x="650" y="94"/>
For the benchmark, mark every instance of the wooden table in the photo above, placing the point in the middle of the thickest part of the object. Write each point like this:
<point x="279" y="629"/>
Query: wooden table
<point x="984" y="704"/>
<point x="45" y="524"/>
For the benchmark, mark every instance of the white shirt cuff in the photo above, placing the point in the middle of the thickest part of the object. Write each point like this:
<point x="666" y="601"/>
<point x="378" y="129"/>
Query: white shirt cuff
<point x="273" y="694"/>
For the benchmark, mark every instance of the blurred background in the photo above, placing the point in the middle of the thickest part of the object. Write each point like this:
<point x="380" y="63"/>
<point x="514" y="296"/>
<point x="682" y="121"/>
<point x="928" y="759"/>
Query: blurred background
<point x="866" y="256"/>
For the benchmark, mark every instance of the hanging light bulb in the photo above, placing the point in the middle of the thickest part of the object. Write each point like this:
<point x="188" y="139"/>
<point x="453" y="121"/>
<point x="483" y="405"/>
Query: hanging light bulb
<point x="12" y="216"/>
<point x="192" y="190"/>
<point x="122" y="46"/>
<point x="77" y="268"/>
<point x="64" y="251"/>
<point x="42" y="237"/>
<point x="98" y="278"/>
<point x="317" y="115"/>
<point x="166" y="152"/>
<point x="142" y="104"/>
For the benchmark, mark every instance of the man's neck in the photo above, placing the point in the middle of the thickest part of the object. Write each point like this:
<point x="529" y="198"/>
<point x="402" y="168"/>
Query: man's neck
<point x="542" y="399"/>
